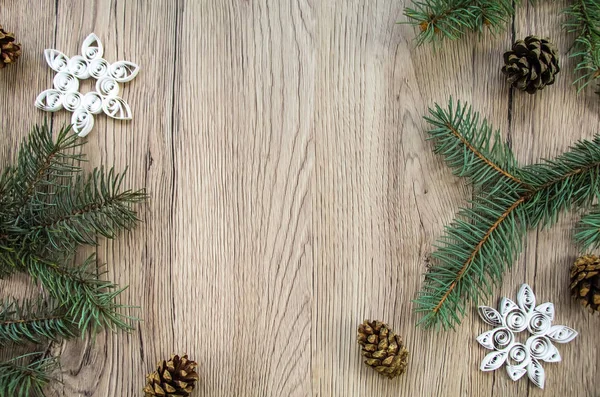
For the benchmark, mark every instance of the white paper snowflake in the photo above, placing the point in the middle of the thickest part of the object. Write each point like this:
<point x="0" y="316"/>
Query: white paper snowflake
<point x="517" y="317"/>
<point x="90" y="63"/>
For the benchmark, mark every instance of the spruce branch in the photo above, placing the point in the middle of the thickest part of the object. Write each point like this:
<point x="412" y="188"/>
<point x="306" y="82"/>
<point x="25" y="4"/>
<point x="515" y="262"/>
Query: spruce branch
<point x="33" y="322"/>
<point x="570" y="180"/>
<point x="470" y="147"/>
<point x="41" y="163"/>
<point x="79" y="213"/>
<point x="587" y="231"/>
<point x="26" y="375"/>
<point x="485" y="239"/>
<point x="48" y="209"/>
<point x="584" y="20"/>
<point x="90" y="302"/>
<point x="477" y="247"/>
<point x="451" y="19"/>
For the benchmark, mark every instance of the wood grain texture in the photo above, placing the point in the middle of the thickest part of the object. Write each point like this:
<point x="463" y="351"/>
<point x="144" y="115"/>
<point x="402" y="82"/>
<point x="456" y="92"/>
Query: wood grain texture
<point x="293" y="191"/>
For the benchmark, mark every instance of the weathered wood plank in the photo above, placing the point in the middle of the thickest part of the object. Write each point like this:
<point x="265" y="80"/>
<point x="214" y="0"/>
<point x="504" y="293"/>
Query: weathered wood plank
<point x="293" y="193"/>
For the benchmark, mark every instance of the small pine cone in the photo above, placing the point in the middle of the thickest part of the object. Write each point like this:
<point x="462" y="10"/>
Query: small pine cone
<point x="9" y="49"/>
<point x="585" y="281"/>
<point x="174" y="378"/>
<point x="383" y="349"/>
<point x="532" y="64"/>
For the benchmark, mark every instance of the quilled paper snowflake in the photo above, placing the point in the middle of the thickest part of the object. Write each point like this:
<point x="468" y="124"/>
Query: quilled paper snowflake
<point x="70" y="71"/>
<point x="517" y="317"/>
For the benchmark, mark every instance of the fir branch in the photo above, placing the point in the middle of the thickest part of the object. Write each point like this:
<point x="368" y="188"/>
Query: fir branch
<point x="26" y="375"/>
<point x="42" y="162"/>
<point x="572" y="179"/>
<point x="470" y="147"/>
<point x="21" y="322"/>
<point x="451" y="19"/>
<point x="485" y="239"/>
<point x="8" y="264"/>
<point x="479" y="245"/>
<point x="78" y="214"/>
<point x="91" y="303"/>
<point x="584" y="20"/>
<point x="47" y="210"/>
<point x="587" y="231"/>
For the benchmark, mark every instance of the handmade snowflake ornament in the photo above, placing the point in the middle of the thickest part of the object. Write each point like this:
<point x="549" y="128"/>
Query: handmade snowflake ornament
<point x="90" y="64"/>
<point x="512" y="318"/>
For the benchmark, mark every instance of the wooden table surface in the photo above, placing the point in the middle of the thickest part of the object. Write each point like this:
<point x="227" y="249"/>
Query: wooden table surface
<point x="293" y="192"/>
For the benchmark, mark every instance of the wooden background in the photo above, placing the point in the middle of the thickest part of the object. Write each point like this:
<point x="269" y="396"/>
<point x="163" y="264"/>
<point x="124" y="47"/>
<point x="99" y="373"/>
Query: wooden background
<point x="293" y="191"/>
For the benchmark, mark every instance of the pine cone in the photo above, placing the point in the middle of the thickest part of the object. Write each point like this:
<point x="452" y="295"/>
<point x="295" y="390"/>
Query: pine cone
<point x="532" y="64"/>
<point x="9" y="50"/>
<point x="174" y="378"/>
<point x="585" y="281"/>
<point x="383" y="349"/>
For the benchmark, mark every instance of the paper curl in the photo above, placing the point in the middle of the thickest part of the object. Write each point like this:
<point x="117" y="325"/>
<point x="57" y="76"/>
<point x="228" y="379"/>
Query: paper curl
<point x="79" y="67"/>
<point x="56" y="60"/>
<point x="82" y="121"/>
<point x="540" y="347"/>
<point x="518" y="355"/>
<point x="526" y="298"/>
<point x="98" y="68"/>
<point x="496" y="339"/>
<point x="92" y="47"/>
<point x="116" y="108"/>
<point x="123" y="71"/>
<point x="92" y="102"/>
<point x="516" y="320"/>
<point x="539" y="324"/>
<point x="107" y="86"/>
<point x="561" y="334"/>
<point x="65" y="82"/>
<point x="49" y="100"/>
<point x="490" y="315"/>
<point x="71" y="101"/>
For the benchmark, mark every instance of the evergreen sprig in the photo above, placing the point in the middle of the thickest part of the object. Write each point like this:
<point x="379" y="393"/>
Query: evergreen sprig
<point x="26" y="375"/>
<point x="587" y="231"/>
<point x="80" y="212"/>
<point x="584" y="20"/>
<point x="48" y="209"/>
<point x="89" y="301"/>
<point x="451" y="19"/>
<point x="471" y="147"/>
<point x="33" y="322"/>
<point x="485" y="239"/>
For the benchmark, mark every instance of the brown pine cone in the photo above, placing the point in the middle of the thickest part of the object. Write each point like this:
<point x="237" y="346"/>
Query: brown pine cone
<point x="585" y="281"/>
<point x="531" y="64"/>
<point x="383" y="349"/>
<point x="9" y="49"/>
<point x="174" y="378"/>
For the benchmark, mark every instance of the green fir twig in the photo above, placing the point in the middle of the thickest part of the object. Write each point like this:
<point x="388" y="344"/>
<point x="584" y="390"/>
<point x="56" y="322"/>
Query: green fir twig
<point x="587" y="231"/>
<point x="451" y="19"/>
<point x="584" y="21"/>
<point x="485" y="239"/>
<point x="26" y="375"/>
<point x="48" y="209"/>
<point x="90" y="302"/>
<point x="33" y="322"/>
